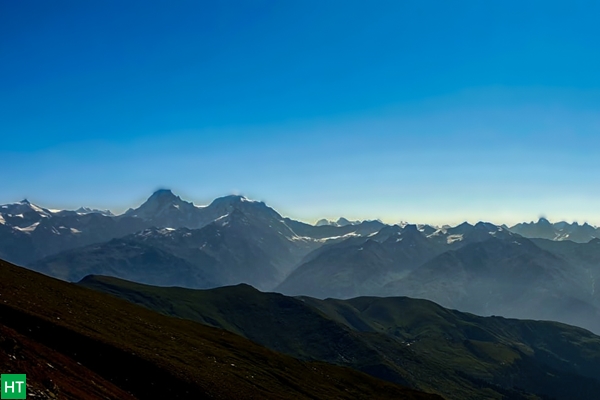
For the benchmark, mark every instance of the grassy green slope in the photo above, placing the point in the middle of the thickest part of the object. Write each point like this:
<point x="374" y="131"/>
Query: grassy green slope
<point x="414" y="342"/>
<point x="154" y="356"/>
<point x="548" y="358"/>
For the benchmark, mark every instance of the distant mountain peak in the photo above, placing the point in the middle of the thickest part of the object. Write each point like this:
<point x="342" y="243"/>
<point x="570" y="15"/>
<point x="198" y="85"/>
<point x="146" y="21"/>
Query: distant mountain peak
<point x="486" y="225"/>
<point x="232" y="199"/>
<point x="411" y="228"/>
<point x="164" y="196"/>
<point x="163" y="193"/>
<point x="339" y="223"/>
<point x="343" y="221"/>
<point x="160" y="204"/>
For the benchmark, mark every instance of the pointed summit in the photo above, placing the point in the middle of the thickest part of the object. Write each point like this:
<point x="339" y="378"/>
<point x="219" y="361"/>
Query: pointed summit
<point x="344" y="221"/>
<point x="164" y="209"/>
<point x="486" y="226"/>
<point x="163" y="194"/>
<point x="411" y="228"/>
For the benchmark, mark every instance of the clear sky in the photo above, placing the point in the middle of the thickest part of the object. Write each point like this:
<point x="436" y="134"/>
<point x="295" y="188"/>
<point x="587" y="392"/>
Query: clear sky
<point x="419" y="111"/>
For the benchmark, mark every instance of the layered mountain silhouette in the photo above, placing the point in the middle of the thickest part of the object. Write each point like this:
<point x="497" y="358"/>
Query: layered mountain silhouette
<point x="544" y="229"/>
<point x="76" y="343"/>
<point x="232" y="240"/>
<point x="402" y="340"/>
<point x="167" y="241"/>
<point x="360" y="265"/>
<point x="335" y="270"/>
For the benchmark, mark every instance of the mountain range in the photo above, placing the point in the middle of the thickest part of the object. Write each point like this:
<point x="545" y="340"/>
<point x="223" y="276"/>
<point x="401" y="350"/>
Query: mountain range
<point x="344" y="293"/>
<point x="482" y="268"/>
<point x="559" y="231"/>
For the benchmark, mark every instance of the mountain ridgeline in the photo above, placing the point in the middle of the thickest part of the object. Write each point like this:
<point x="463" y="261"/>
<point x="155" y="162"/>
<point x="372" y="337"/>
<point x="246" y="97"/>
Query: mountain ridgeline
<point x="405" y="341"/>
<point x="535" y="270"/>
<point x="76" y="343"/>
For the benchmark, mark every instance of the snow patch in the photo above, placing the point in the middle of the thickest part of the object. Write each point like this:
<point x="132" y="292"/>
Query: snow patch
<point x="454" y="238"/>
<point x="38" y="209"/>
<point x="439" y="232"/>
<point x="346" y="236"/>
<point x="29" y="228"/>
<point x="222" y="217"/>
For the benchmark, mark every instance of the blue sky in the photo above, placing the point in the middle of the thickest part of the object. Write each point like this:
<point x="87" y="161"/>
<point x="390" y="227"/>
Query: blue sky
<point x="422" y="111"/>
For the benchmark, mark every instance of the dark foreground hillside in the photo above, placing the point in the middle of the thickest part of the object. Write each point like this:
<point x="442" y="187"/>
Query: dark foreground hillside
<point x="76" y="343"/>
<point x="407" y="341"/>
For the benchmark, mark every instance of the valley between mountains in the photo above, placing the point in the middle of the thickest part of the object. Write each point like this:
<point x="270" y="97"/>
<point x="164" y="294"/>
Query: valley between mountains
<point x="466" y="312"/>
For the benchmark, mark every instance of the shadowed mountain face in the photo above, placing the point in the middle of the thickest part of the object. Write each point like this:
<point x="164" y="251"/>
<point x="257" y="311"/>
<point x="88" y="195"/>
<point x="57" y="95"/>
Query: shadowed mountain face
<point x="360" y="265"/>
<point x="131" y="258"/>
<point x="482" y="268"/>
<point x="584" y="255"/>
<point x="238" y="247"/>
<point x="511" y="278"/>
<point x="413" y="342"/>
<point x="77" y="343"/>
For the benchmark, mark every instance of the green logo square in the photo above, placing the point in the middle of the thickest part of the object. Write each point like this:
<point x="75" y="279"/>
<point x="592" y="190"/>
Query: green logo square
<point x="14" y="386"/>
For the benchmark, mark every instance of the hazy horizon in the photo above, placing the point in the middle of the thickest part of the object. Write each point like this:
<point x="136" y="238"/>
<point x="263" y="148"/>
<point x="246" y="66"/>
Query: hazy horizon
<point x="399" y="111"/>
